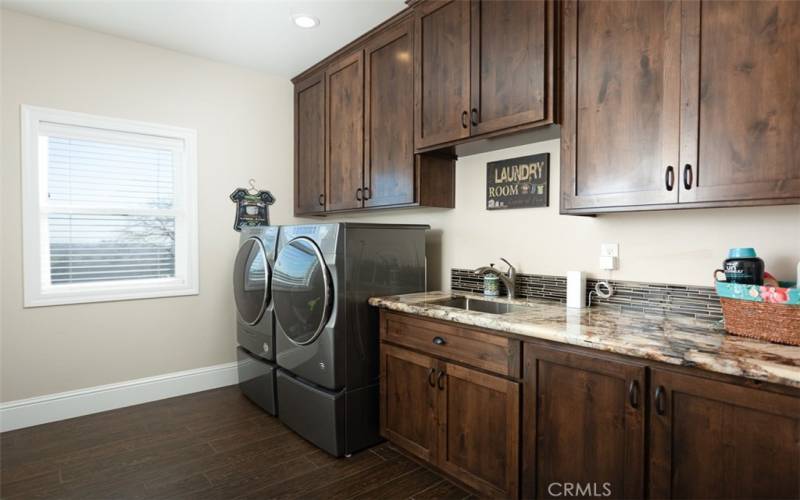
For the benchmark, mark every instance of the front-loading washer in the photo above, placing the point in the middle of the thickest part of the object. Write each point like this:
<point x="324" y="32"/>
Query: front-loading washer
<point x="255" y="317"/>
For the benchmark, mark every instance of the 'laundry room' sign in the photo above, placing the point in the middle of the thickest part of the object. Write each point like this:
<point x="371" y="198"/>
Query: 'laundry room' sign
<point x="518" y="182"/>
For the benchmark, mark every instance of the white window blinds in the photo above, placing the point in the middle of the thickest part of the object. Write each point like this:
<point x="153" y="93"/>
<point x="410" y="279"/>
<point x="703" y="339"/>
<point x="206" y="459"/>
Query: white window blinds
<point x="115" y="209"/>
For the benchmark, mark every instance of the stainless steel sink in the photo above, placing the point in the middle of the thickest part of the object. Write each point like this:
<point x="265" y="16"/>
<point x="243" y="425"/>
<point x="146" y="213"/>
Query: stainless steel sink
<point x="478" y="305"/>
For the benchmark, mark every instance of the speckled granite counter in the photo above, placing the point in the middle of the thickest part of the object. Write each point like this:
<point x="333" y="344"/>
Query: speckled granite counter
<point x="668" y="339"/>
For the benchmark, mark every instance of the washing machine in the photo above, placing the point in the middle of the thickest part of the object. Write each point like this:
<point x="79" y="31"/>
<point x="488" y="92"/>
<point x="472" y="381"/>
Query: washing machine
<point x="255" y="317"/>
<point x="326" y="332"/>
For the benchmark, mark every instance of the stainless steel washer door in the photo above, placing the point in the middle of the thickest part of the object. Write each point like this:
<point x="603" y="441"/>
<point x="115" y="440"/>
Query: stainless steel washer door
<point x="301" y="291"/>
<point x="251" y="281"/>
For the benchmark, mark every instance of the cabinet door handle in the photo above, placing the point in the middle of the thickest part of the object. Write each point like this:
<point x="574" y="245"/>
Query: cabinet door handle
<point x="439" y="340"/>
<point x="367" y="193"/>
<point x="633" y="393"/>
<point x="358" y="194"/>
<point x="687" y="177"/>
<point x="669" y="177"/>
<point x="322" y="200"/>
<point x="430" y="377"/>
<point x="474" y="116"/>
<point x="660" y="397"/>
<point x="464" y="123"/>
<point x="439" y="380"/>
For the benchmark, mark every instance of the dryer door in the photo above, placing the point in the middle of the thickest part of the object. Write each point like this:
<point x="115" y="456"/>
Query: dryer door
<point x="302" y="291"/>
<point x="251" y="281"/>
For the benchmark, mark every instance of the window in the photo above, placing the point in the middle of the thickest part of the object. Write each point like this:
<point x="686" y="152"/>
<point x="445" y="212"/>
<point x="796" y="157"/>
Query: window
<point x="109" y="208"/>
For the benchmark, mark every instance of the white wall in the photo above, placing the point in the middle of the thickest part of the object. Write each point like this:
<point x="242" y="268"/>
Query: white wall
<point x="244" y="123"/>
<point x="682" y="247"/>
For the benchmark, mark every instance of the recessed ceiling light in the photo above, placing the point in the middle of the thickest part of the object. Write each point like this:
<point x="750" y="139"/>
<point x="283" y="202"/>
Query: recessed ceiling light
<point x="305" y="21"/>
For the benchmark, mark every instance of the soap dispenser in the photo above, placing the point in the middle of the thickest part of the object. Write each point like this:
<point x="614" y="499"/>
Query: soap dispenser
<point x="491" y="284"/>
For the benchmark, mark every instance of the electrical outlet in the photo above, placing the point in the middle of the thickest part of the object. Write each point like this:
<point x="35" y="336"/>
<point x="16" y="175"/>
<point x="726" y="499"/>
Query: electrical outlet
<point x="609" y="250"/>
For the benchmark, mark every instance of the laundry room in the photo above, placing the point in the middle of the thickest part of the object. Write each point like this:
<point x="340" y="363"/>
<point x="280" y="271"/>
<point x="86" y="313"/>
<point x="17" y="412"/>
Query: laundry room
<point x="399" y="249"/>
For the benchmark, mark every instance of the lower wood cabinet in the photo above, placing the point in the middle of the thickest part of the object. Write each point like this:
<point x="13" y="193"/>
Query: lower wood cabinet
<point x="579" y="422"/>
<point x="583" y="425"/>
<point x="409" y="401"/>
<point x="461" y="420"/>
<point x="711" y="439"/>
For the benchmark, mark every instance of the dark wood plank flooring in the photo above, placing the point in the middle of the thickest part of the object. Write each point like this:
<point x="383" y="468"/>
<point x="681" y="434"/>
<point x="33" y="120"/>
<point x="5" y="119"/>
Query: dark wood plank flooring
<point x="213" y="444"/>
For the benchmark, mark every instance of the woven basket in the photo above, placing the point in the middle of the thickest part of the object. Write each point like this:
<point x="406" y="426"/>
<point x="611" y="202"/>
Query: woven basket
<point x="762" y="320"/>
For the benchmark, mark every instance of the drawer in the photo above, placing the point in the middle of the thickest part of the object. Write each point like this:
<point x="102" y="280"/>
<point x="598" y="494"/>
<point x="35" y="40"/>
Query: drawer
<point x="478" y="348"/>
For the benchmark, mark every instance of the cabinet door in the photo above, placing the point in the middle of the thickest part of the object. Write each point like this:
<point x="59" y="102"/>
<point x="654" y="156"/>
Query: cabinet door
<point x="309" y="147"/>
<point x="408" y="401"/>
<point x="479" y="430"/>
<point x="389" y="169"/>
<point x="741" y="73"/>
<point x="345" y="145"/>
<point x="583" y="425"/>
<point x="511" y="63"/>
<point x="717" y="440"/>
<point x="619" y="139"/>
<point x="442" y="71"/>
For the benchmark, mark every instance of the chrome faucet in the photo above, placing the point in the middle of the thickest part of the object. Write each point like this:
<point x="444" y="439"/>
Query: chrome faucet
<point x="509" y="278"/>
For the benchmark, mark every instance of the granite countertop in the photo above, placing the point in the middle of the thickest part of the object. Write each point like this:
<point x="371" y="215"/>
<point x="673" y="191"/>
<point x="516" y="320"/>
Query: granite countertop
<point x="669" y="339"/>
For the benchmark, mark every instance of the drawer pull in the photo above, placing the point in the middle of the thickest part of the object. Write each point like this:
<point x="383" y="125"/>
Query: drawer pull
<point x="440" y="380"/>
<point x="430" y="377"/>
<point x="439" y="340"/>
<point x="633" y="393"/>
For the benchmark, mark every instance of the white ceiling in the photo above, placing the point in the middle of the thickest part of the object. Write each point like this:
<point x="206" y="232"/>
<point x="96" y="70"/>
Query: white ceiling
<point x="258" y="34"/>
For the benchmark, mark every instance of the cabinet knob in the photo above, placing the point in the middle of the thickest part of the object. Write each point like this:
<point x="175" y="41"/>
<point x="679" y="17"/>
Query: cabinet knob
<point x="633" y="393"/>
<point x="430" y="377"/>
<point x="669" y="177"/>
<point x="439" y="340"/>
<point x="464" y="123"/>
<point x="660" y="397"/>
<point x="440" y="380"/>
<point x="367" y="193"/>
<point x="358" y="194"/>
<point x="687" y="177"/>
<point x="474" y="116"/>
<point x="322" y="200"/>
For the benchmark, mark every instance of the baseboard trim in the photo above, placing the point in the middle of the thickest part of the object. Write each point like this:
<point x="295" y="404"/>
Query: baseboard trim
<point x="52" y="407"/>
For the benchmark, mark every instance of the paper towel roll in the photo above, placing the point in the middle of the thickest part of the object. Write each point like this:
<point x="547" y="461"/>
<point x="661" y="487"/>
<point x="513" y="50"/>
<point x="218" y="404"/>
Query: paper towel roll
<point x="576" y="289"/>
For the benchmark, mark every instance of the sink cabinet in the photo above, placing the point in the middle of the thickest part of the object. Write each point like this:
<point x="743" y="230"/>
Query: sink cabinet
<point x="458" y="417"/>
<point x="525" y="419"/>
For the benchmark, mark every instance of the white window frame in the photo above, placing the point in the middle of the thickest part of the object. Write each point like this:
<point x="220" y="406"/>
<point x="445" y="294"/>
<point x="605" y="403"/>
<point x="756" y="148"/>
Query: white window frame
<point x="35" y="206"/>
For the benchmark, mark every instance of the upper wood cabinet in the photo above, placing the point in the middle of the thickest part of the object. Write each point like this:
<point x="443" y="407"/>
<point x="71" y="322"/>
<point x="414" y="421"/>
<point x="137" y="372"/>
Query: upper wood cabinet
<point x="442" y="62"/>
<point x="511" y="64"/>
<point x="389" y="114"/>
<point x="583" y="423"/>
<point x="354" y="132"/>
<point x="619" y="139"/>
<point x="482" y="67"/>
<point x="741" y="109"/>
<point x="345" y="137"/>
<point x="679" y="104"/>
<point x="713" y="439"/>
<point x="309" y="144"/>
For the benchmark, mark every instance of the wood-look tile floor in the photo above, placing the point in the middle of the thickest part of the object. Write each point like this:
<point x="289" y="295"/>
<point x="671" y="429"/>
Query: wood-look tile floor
<point x="213" y="444"/>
